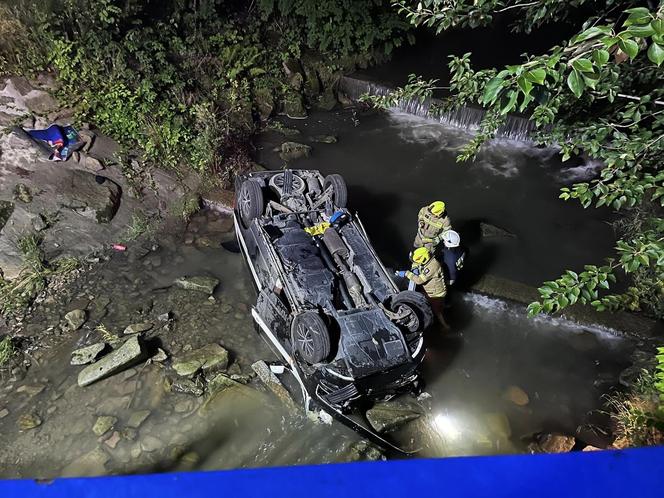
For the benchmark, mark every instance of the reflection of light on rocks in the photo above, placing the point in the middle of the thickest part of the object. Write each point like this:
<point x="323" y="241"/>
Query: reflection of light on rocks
<point x="447" y="426"/>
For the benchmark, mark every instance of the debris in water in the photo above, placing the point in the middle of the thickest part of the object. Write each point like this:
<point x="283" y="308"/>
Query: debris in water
<point x="386" y="417"/>
<point x="119" y="247"/>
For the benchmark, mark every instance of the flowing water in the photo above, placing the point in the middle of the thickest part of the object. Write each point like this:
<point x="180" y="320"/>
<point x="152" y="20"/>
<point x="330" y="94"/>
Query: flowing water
<point x="492" y="381"/>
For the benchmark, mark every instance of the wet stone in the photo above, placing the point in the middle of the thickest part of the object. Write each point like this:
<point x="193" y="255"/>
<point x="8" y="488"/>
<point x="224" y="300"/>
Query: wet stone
<point x="88" y="354"/>
<point x="22" y="193"/>
<point x="31" y="390"/>
<point x="103" y="424"/>
<point x="386" y="417"/>
<point x="516" y="395"/>
<point x="271" y="381"/>
<point x="555" y="443"/>
<point x="137" y="418"/>
<point x="221" y="382"/>
<point x="3" y="413"/>
<point x="150" y="443"/>
<point x="187" y="386"/>
<point x="205" y="358"/>
<point x="160" y="356"/>
<point x="137" y="328"/>
<point x="124" y="356"/>
<point x="199" y="284"/>
<point x="290" y="151"/>
<point x="91" y="464"/>
<point x="324" y="139"/>
<point x="113" y="441"/>
<point x="28" y="421"/>
<point x="75" y="319"/>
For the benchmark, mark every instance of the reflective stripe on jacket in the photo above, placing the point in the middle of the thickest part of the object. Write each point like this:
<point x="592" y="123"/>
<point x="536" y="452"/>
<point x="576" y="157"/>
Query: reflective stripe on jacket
<point x="430" y="277"/>
<point x="429" y="227"/>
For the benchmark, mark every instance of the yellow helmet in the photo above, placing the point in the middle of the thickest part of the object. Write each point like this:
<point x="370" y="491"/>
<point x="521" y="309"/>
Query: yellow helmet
<point x="421" y="255"/>
<point x="437" y="207"/>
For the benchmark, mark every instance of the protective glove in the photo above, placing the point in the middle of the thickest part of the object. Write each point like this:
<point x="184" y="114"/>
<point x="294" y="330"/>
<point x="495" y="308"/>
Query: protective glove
<point x="400" y="273"/>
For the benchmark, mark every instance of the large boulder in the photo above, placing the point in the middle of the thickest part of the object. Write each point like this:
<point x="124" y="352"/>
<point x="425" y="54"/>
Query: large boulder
<point x="91" y="195"/>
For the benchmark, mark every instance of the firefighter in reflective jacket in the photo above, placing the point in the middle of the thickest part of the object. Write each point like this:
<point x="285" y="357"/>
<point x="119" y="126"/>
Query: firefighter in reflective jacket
<point x="428" y="273"/>
<point x="432" y="222"/>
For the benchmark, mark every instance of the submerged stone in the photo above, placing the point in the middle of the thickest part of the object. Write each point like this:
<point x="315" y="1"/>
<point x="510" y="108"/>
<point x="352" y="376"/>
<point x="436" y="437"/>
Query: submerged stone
<point x="205" y="358"/>
<point x="103" y="425"/>
<point x="294" y="150"/>
<point x="516" y="395"/>
<point x="488" y="230"/>
<point x="199" y="284"/>
<point x="88" y="354"/>
<point x="324" y="139"/>
<point x="126" y="355"/>
<point x="91" y="464"/>
<point x="187" y="386"/>
<point x="75" y="319"/>
<point x="22" y="193"/>
<point x="386" y="417"/>
<point x="28" y="421"/>
<point x="137" y="418"/>
<point x="221" y="382"/>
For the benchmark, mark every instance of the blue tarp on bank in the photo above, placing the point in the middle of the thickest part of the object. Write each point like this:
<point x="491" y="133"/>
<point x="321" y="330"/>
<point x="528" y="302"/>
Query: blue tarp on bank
<point x="605" y="474"/>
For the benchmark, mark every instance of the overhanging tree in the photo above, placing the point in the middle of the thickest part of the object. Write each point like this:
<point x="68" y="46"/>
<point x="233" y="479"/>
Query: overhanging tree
<point x="600" y="93"/>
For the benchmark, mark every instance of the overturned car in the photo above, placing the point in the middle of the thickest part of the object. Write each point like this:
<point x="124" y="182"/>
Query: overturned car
<point x="326" y="303"/>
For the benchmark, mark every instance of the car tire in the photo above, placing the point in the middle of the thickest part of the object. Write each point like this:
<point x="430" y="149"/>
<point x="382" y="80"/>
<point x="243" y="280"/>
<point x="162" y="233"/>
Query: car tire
<point x="340" y="192"/>
<point x="420" y="307"/>
<point x="311" y="338"/>
<point x="250" y="202"/>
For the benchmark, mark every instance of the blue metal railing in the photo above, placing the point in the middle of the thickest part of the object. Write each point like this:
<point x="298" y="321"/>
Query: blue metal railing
<point x="604" y="474"/>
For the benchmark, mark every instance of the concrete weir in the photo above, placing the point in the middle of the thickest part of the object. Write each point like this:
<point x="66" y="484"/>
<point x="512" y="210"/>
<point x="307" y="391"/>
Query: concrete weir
<point x="620" y="322"/>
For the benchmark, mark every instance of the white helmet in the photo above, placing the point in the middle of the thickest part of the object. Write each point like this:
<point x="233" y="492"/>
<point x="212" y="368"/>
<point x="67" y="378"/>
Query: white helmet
<point x="451" y="239"/>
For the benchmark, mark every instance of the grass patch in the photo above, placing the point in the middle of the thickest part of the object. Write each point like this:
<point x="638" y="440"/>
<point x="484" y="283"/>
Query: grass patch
<point x="140" y="225"/>
<point x="16" y="295"/>
<point x="186" y="207"/>
<point x="639" y="414"/>
<point x="6" y="351"/>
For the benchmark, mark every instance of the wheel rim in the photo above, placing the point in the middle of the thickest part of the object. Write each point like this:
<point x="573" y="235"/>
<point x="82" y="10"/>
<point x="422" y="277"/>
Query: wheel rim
<point x="245" y="204"/>
<point x="298" y="183"/>
<point x="412" y="321"/>
<point x="305" y="340"/>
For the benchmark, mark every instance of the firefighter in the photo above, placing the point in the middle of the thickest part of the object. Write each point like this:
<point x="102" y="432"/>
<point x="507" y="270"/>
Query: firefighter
<point x="428" y="273"/>
<point x="453" y="255"/>
<point x="432" y="222"/>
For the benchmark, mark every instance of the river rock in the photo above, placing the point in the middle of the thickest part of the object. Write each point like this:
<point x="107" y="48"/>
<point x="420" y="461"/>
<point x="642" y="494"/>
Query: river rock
<point x="3" y="413"/>
<point x="220" y="382"/>
<point x="271" y="381"/>
<point x="187" y="386"/>
<point x="386" y="417"/>
<point x="516" y="395"/>
<point x="88" y="354"/>
<point x="75" y="319"/>
<point x="113" y="441"/>
<point x="294" y="150"/>
<point x="498" y="424"/>
<point x="205" y="358"/>
<point x="488" y="230"/>
<point x="199" y="284"/>
<point x="293" y="104"/>
<point x="28" y="421"/>
<point x="363" y="451"/>
<point x="137" y="418"/>
<point x="38" y="223"/>
<point x="150" y="443"/>
<point x="91" y="464"/>
<point x="160" y="356"/>
<point x="31" y="390"/>
<point x="103" y="424"/>
<point x="555" y="443"/>
<point x="126" y="355"/>
<point x="137" y="328"/>
<point x="324" y="139"/>
<point x="327" y="100"/>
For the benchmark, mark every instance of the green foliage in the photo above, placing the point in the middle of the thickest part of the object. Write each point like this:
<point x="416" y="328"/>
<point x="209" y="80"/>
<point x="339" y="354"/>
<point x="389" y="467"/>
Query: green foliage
<point x="659" y="373"/>
<point x="341" y="27"/>
<point x="416" y="89"/>
<point x="599" y="94"/>
<point x="6" y="350"/>
<point x="141" y="225"/>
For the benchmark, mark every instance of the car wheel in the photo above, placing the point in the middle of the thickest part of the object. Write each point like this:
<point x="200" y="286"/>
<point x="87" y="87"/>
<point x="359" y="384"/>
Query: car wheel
<point x="339" y="191"/>
<point x="311" y="337"/>
<point x="250" y="202"/>
<point x="415" y="307"/>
